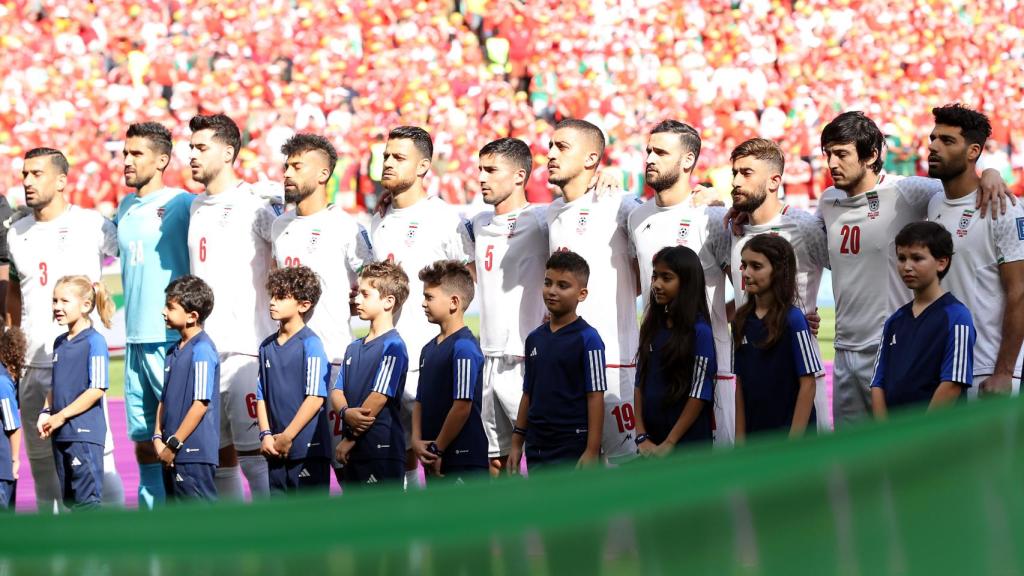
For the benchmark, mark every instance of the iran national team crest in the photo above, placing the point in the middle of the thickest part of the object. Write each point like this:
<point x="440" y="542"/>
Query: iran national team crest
<point x="511" y="226"/>
<point x="965" y="222"/>
<point x="314" y="239"/>
<point x="873" y="205"/>
<point x="62" y="235"/>
<point x="581" y="222"/>
<point x="410" y="234"/>
<point x="684" y="232"/>
<point x="225" y="215"/>
<point x="160" y="212"/>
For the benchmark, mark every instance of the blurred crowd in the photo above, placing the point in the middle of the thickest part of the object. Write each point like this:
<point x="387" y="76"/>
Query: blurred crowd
<point x="77" y="73"/>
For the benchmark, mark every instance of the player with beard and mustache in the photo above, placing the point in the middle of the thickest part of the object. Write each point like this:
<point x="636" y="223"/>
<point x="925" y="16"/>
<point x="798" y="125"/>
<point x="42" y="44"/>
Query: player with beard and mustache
<point x="989" y="273"/>
<point x="675" y="217"/>
<point x="324" y="238"/>
<point x="862" y="214"/>
<point x="229" y="248"/>
<point x="757" y="167"/>
<point x="152" y="237"/>
<point x="415" y="231"/>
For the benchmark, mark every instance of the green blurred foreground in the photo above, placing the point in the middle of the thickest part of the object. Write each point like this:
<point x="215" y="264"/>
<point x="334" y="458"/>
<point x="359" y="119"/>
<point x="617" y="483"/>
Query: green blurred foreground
<point x="937" y="494"/>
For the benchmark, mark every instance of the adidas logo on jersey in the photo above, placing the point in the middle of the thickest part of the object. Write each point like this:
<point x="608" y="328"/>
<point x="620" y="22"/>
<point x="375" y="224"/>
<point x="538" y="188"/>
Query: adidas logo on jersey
<point x="457" y="452"/>
<point x="178" y="478"/>
<point x="304" y="473"/>
<point x="533" y="352"/>
<point x="75" y="461"/>
<point x="893" y="341"/>
<point x="191" y="450"/>
<point x="82" y="430"/>
<point x="268" y="363"/>
<point x="372" y="479"/>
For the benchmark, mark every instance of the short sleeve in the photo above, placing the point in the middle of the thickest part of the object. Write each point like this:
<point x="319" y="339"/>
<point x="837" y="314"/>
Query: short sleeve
<point x="594" y="362"/>
<point x="462" y="244"/>
<point x="468" y="362"/>
<point x="958" y="356"/>
<point x="918" y="191"/>
<point x="9" y="406"/>
<point x="705" y="365"/>
<point x="529" y="370"/>
<point x="882" y="357"/>
<point x="393" y="364"/>
<point x="359" y="250"/>
<point x="339" y="382"/>
<point x="109" y="242"/>
<point x="204" y="374"/>
<point x="317" y="365"/>
<point x="806" y="358"/>
<point x="1009" y="235"/>
<point x="260" y="395"/>
<point x="99" y="363"/>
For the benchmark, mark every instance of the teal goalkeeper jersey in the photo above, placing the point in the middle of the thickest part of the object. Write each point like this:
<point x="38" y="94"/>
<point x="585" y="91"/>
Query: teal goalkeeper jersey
<point x="152" y="234"/>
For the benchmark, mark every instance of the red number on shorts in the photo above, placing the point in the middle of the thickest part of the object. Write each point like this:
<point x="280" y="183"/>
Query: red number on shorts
<point x="335" y="421"/>
<point x="250" y="404"/>
<point x="43" y="276"/>
<point x="290" y="262"/>
<point x="851" y="240"/>
<point x="489" y="258"/>
<point x="624" y="417"/>
<point x="202" y="249"/>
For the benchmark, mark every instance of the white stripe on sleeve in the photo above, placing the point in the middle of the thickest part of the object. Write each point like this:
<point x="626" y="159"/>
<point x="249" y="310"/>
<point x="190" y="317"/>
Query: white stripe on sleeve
<point x="700" y="369"/>
<point x="200" y="380"/>
<point x="387" y="366"/>
<point x="5" y="404"/>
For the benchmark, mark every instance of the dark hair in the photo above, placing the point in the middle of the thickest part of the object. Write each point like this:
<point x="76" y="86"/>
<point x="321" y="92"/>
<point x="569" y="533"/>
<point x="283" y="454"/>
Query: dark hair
<point x="779" y="253"/>
<point x="688" y="135"/>
<point x="452" y="276"/>
<point x="56" y="157"/>
<point x="689" y="306"/>
<point x="932" y="236"/>
<point x="300" y="143"/>
<point x="224" y="129"/>
<point x="856" y="128"/>
<point x="566" y="261"/>
<point x="192" y="294"/>
<point x="158" y="136"/>
<point x="762" y="149"/>
<point x="592" y="132"/>
<point x="389" y="279"/>
<point x="973" y="124"/>
<point x="512" y="149"/>
<point x="420" y="139"/>
<point x="298" y="282"/>
<point x="13" y="346"/>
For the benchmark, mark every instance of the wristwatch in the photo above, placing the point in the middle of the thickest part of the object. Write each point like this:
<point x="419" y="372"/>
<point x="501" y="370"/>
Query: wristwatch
<point x="173" y="443"/>
<point x="433" y="449"/>
<point x="640" y="439"/>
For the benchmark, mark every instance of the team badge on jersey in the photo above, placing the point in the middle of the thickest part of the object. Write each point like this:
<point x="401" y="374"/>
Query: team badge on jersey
<point x="225" y="215"/>
<point x="410" y="234"/>
<point x="160" y="212"/>
<point x="965" y="223"/>
<point x="314" y="239"/>
<point x="684" y="232"/>
<point x="873" y="205"/>
<point x="581" y="221"/>
<point x="62" y="235"/>
<point x="512" y="226"/>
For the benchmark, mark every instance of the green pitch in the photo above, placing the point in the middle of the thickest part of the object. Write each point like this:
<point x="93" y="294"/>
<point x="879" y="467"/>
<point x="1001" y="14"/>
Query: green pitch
<point x="826" y="335"/>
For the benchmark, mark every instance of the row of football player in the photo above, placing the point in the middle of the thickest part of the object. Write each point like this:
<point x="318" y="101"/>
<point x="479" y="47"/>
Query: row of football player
<point x="228" y="236"/>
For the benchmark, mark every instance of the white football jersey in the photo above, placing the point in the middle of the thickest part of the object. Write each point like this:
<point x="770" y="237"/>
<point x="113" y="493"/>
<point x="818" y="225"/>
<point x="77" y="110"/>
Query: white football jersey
<point x="229" y="239"/>
<point x="862" y="251"/>
<point x="980" y="245"/>
<point x="416" y="237"/>
<point x="653" y="227"/>
<point x="807" y="236"/>
<point x="335" y="246"/>
<point x="596" y="229"/>
<point x="74" y="243"/>
<point x="511" y="251"/>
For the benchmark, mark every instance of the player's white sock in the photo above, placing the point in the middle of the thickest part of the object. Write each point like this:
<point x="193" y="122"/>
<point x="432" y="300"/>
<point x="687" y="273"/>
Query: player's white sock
<point x="113" y="488"/>
<point x="255" y="470"/>
<point x="228" y="481"/>
<point x="151" y="486"/>
<point x="44" y="475"/>
<point x="412" y="479"/>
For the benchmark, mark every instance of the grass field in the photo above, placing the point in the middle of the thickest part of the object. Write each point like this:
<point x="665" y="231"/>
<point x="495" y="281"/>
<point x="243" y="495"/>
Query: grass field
<point x="826" y="336"/>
